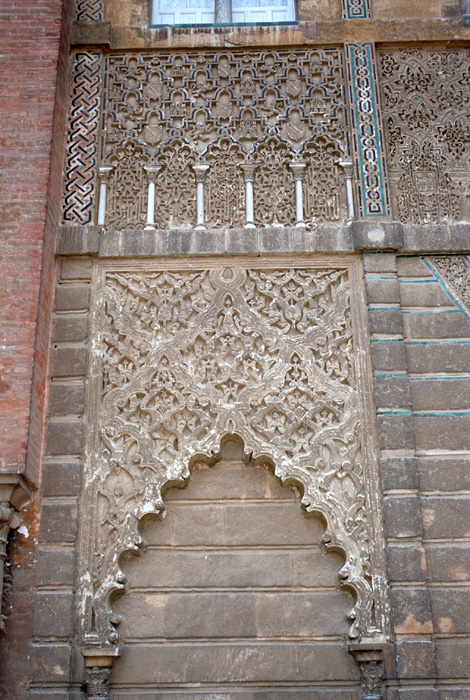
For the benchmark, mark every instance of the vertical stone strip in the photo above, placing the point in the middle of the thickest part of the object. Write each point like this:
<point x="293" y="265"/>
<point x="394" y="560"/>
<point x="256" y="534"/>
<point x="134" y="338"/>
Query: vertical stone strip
<point x="372" y="191"/>
<point x="61" y="483"/>
<point x="356" y="9"/>
<point x="90" y="10"/>
<point x="82" y="141"/>
<point x="411" y="605"/>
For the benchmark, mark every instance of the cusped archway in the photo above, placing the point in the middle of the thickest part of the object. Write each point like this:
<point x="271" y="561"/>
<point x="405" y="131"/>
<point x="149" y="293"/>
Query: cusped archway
<point x="233" y="592"/>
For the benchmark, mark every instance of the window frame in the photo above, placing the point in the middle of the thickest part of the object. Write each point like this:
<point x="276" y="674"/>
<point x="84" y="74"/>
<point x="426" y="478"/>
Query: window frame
<point x="289" y="22"/>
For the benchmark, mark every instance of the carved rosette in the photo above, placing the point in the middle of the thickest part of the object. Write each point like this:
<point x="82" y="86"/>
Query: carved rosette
<point x="184" y="357"/>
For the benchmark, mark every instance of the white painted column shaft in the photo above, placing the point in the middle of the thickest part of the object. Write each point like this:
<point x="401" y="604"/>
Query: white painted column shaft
<point x="200" y="171"/>
<point x="248" y="171"/>
<point x="348" y="175"/>
<point x="298" y="169"/>
<point x="103" y="174"/>
<point x="152" y="171"/>
<point x="102" y="205"/>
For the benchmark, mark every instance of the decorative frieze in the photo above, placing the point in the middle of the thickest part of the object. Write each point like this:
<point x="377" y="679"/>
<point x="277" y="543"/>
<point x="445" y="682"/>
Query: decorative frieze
<point x="426" y="104"/>
<point x="82" y="140"/>
<point x="372" y="192"/>
<point x="226" y="110"/>
<point x="185" y="355"/>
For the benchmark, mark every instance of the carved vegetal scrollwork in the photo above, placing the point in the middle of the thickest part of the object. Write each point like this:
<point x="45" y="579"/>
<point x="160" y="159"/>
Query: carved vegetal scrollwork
<point x="224" y="196"/>
<point x="176" y="191"/>
<point x="243" y="106"/>
<point x="323" y="195"/>
<point x="273" y="185"/>
<point x="190" y="355"/>
<point x="426" y="102"/>
<point x="127" y="186"/>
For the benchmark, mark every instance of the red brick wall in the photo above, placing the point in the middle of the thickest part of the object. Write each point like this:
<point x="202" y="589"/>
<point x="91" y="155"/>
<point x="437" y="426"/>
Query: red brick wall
<point x="33" y="102"/>
<point x="34" y="66"/>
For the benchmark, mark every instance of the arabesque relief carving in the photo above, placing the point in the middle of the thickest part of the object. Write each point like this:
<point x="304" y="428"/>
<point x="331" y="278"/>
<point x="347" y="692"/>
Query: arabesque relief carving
<point x="426" y="98"/>
<point x="267" y="109"/>
<point x="185" y="355"/>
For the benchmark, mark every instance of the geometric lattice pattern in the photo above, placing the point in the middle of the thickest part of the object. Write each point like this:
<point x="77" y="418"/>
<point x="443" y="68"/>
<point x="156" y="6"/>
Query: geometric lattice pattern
<point x="82" y="142"/>
<point x="90" y="10"/>
<point x="372" y="192"/>
<point x="356" y="9"/>
<point x="264" y="110"/>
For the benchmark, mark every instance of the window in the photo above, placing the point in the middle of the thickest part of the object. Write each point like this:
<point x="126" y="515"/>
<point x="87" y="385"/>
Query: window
<point x="195" y="12"/>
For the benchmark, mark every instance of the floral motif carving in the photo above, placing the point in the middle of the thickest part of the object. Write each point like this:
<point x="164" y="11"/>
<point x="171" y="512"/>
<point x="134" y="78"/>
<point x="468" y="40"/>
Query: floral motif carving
<point x="426" y="106"/>
<point x="225" y="190"/>
<point x="263" y="105"/>
<point x="323" y="195"/>
<point x="176" y="194"/>
<point x="274" y="184"/>
<point x="189" y="355"/>
<point x="126" y="207"/>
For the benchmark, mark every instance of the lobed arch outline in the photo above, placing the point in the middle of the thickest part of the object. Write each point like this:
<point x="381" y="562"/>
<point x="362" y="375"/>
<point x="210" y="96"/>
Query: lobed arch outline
<point x="334" y="539"/>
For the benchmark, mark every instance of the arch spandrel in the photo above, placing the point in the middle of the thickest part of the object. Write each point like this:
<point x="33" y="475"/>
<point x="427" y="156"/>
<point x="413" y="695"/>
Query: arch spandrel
<point x="270" y="352"/>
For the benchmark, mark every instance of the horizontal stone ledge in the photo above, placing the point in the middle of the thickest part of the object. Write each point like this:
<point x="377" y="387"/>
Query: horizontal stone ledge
<point x="77" y="239"/>
<point x="326" y="32"/>
<point x="360" y="236"/>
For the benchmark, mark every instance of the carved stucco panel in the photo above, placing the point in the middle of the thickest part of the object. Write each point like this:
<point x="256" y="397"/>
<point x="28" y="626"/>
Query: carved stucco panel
<point x="184" y="354"/>
<point x="425" y="99"/>
<point x="263" y="109"/>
